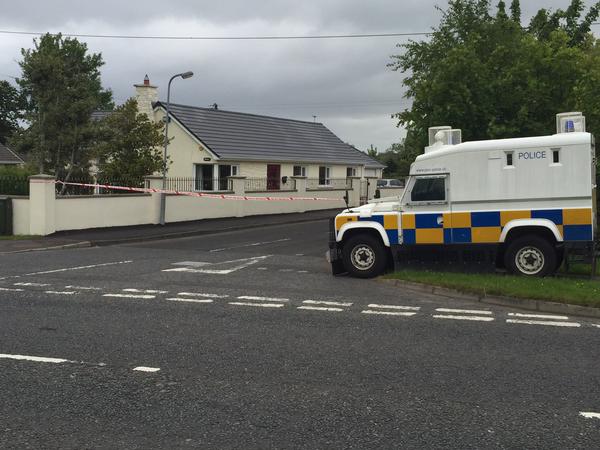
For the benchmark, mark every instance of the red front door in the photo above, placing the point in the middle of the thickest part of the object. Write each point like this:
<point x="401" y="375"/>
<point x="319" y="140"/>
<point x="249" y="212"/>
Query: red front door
<point x="273" y="177"/>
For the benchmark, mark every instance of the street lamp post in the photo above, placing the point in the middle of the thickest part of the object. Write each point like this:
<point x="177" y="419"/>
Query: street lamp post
<point x="184" y="75"/>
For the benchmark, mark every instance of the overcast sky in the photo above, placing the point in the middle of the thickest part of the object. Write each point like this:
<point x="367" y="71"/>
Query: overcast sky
<point x="344" y="82"/>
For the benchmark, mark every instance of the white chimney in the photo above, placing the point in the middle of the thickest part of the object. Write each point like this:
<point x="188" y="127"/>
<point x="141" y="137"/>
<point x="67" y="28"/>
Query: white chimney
<point x="146" y="95"/>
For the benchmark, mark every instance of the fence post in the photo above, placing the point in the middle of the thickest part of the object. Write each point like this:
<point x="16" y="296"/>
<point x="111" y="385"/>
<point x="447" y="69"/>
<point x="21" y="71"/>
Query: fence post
<point x="238" y="185"/>
<point x="154" y="182"/>
<point x="42" y="205"/>
<point x="301" y="183"/>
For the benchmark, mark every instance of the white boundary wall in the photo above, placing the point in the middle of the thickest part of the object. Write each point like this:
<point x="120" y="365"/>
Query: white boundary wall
<point x="44" y="213"/>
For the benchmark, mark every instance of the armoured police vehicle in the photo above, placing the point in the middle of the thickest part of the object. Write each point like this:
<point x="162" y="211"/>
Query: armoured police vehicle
<point x="521" y="201"/>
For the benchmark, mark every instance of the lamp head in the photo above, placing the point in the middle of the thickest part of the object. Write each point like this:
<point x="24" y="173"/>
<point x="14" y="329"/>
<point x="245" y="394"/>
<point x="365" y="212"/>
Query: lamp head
<point x="188" y="74"/>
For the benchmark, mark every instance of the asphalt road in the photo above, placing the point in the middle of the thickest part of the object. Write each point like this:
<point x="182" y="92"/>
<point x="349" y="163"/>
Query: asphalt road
<point x="245" y="340"/>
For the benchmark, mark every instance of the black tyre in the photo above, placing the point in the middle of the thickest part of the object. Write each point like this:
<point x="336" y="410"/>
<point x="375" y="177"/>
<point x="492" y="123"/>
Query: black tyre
<point x="364" y="256"/>
<point x="531" y="256"/>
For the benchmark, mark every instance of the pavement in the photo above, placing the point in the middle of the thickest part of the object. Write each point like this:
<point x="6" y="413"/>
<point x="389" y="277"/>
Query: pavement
<point x="243" y="339"/>
<point x="113" y="235"/>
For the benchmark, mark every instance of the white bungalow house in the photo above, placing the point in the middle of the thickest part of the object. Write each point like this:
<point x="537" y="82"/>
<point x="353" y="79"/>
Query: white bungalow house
<point x="209" y="145"/>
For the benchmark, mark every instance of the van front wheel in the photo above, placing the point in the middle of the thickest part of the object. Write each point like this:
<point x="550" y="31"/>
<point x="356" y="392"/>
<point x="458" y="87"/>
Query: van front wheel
<point x="531" y="256"/>
<point x="364" y="256"/>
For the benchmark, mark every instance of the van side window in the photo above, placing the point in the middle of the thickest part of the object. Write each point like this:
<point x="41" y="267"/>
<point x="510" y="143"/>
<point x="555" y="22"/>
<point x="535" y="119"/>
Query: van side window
<point x="509" y="158"/>
<point x="429" y="190"/>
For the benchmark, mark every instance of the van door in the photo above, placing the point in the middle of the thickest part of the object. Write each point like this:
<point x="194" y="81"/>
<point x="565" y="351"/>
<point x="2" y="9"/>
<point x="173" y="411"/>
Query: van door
<point x="426" y="218"/>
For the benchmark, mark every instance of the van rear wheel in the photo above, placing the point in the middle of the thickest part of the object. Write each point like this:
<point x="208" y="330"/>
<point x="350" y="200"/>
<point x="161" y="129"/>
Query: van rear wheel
<point x="531" y="256"/>
<point x="364" y="256"/>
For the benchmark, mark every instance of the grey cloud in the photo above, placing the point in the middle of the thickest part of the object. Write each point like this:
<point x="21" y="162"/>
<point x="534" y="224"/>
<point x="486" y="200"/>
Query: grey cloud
<point x="344" y="82"/>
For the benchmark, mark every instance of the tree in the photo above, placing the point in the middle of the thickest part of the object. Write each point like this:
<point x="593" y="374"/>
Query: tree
<point x="62" y="87"/>
<point x="10" y="110"/>
<point x="515" y="11"/>
<point x="372" y="151"/>
<point x="129" y="147"/>
<point x="545" y="22"/>
<point x="493" y="78"/>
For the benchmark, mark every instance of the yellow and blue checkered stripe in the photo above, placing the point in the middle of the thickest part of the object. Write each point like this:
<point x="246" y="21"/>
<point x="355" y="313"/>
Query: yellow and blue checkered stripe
<point x="388" y="221"/>
<point x="486" y="226"/>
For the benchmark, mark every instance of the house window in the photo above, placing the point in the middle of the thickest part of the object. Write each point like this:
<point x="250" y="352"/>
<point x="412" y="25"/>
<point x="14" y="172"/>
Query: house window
<point x="299" y="171"/>
<point x="204" y="178"/>
<point x="509" y="158"/>
<point x="324" y="176"/>
<point x="226" y="171"/>
<point x="350" y="172"/>
<point x="431" y="189"/>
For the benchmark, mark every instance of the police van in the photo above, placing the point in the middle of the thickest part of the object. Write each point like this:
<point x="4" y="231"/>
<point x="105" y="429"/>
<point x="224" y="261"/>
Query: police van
<point x="523" y="201"/>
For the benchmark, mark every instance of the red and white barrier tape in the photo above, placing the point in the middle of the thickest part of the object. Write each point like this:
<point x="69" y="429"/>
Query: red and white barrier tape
<point x="189" y="194"/>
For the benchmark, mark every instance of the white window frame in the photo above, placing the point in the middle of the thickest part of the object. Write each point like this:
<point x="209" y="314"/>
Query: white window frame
<point x="215" y="175"/>
<point x="327" y="176"/>
<point x="353" y="171"/>
<point x="428" y="202"/>
<point x="302" y="170"/>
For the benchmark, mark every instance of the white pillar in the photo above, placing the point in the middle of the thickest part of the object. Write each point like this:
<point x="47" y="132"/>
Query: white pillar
<point x="155" y="182"/>
<point x="42" y="205"/>
<point x="354" y="193"/>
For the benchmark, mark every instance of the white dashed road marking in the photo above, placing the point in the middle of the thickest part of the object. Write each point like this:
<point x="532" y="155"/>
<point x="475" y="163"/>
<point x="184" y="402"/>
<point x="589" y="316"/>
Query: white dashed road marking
<point x="408" y="308"/>
<point x="34" y="358"/>
<point x="326" y="303"/>
<point x="190" y="300"/>
<point x="538" y="316"/>
<point x="83" y="288"/>
<point x="463" y="311"/>
<point x="262" y="299"/>
<point x="145" y="291"/>
<point x="543" y="322"/>
<point x="32" y="284"/>
<point x="260" y="305"/>
<point x="473" y="318"/>
<point x="200" y="294"/>
<point x="43" y="359"/>
<point x="320" y="308"/>
<point x="389" y="313"/>
<point x="146" y="296"/>
<point x="11" y="289"/>
<point x="590" y="415"/>
<point x="146" y="369"/>
<point x="60" y="292"/>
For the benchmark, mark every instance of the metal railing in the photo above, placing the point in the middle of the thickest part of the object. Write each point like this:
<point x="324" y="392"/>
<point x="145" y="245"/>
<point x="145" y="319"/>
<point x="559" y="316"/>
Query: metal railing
<point x="328" y="183"/>
<point x="14" y="185"/>
<point x="184" y="184"/>
<point x="269" y="184"/>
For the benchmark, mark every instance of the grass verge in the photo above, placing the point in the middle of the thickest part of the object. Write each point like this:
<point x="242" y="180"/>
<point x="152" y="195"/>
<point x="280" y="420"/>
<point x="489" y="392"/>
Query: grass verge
<point x="561" y="290"/>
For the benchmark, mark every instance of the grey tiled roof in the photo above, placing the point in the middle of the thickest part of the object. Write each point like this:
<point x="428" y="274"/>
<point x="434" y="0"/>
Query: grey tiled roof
<point x="7" y="156"/>
<point x="249" y="137"/>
